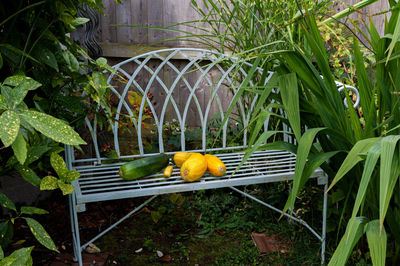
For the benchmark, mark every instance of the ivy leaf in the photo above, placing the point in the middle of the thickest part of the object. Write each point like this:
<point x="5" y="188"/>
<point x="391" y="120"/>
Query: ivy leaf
<point x="3" y="103"/>
<point x="9" y="127"/>
<point x="32" y="210"/>
<point x="6" y="202"/>
<point x="47" y="57"/>
<point x="52" y="127"/>
<point x="71" y="175"/>
<point x="19" y="148"/>
<point x="49" y="183"/>
<point x="65" y="188"/>
<point x="57" y="162"/>
<point x="21" y="256"/>
<point x="23" y="81"/>
<point x="40" y="234"/>
<point x="79" y="21"/>
<point x="72" y="62"/>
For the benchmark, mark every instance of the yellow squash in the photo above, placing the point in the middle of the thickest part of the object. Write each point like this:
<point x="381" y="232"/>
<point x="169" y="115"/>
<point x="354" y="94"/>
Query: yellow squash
<point x="194" y="167"/>
<point x="214" y="165"/>
<point x="168" y="171"/>
<point x="180" y="158"/>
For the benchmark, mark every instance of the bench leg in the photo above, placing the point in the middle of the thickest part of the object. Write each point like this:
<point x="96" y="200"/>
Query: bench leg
<point x="75" y="229"/>
<point x="324" y="213"/>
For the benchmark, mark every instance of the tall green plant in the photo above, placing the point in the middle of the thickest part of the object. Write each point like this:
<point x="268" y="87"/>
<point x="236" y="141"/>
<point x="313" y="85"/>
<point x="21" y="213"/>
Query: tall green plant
<point x="366" y="141"/>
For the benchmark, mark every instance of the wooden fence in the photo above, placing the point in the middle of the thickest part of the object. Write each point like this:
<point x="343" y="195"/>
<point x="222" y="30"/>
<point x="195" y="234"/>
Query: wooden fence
<point x="119" y="41"/>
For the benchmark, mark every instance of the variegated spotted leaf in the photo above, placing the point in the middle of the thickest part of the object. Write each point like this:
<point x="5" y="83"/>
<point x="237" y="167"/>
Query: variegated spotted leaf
<point x="7" y="261"/>
<point x="21" y="256"/>
<point x="3" y="103"/>
<point x="58" y="163"/>
<point x="6" y="202"/>
<point x="28" y="174"/>
<point x="71" y="175"/>
<point x="32" y="210"/>
<point x="52" y="127"/>
<point x="49" y="183"/>
<point x="65" y="188"/>
<point x="23" y="81"/>
<point x="9" y="127"/>
<point x="40" y="234"/>
<point x="19" y="148"/>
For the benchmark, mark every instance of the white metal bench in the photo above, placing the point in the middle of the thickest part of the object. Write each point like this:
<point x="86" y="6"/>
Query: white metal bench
<point x="176" y="76"/>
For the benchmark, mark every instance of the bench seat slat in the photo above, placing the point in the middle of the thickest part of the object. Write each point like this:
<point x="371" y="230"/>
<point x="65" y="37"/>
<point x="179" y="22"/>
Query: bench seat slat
<point x="103" y="182"/>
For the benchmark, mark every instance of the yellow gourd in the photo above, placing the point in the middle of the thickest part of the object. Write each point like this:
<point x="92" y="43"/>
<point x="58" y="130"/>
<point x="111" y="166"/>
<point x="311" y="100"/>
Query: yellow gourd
<point x="180" y="158"/>
<point x="168" y="171"/>
<point x="194" y="167"/>
<point x="214" y="165"/>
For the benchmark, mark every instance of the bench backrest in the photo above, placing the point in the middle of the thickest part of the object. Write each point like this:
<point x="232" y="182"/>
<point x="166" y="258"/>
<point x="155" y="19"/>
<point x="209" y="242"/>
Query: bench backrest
<point x="189" y="87"/>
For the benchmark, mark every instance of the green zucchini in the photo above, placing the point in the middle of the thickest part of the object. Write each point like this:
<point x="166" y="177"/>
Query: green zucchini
<point x="143" y="167"/>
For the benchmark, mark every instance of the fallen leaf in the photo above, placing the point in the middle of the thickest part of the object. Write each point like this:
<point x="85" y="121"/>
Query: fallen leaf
<point x="165" y="258"/>
<point x="159" y="254"/>
<point x="92" y="248"/>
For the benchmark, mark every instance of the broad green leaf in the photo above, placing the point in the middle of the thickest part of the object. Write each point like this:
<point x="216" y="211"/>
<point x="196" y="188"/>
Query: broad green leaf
<point x="32" y="210"/>
<point x="52" y="127"/>
<point x="72" y="62"/>
<point x="6" y="202"/>
<point x="23" y="81"/>
<point x="353" y="157"/>
<point x="377" y="241"/>
<point x="40" y="234"/>
<point x="49" y="183"/>
<point x="79" y="21"/>
<point x="7" y="261"/>
<point x="6" y="233"/>
<point x="19" y="257"/>
<point x="299" y="179"/>
<point x="28" y="174"/>
<point x="16" y="96"/>
<point x="58" y="164"/>
<point x="101" y="61"/>
<point x="9" y="127"/>
<point x="290" y="99"/>
<point x="369" y="166"/>
<point x="71" y="175"/>
<point x="388" y="177"/>
<point x="35" y="152"/>
<point x="47" y="57"/>
<point x="3" y="103"/>
<point x="354" y="231"/>
<point x="19" y="148"/>
<point x="65" y="188"/>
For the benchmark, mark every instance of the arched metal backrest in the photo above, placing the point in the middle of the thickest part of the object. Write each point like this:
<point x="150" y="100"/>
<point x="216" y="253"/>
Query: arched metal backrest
<point x="182" y="77"/>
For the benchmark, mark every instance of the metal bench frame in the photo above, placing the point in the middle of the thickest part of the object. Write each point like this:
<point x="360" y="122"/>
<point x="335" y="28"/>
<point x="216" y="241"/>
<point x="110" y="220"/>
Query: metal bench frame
<point x="100" y="181"/>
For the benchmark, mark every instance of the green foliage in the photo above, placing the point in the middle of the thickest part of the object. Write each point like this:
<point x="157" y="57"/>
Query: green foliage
<point x="7" y="232"/>
<point x="45" y="75"/>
